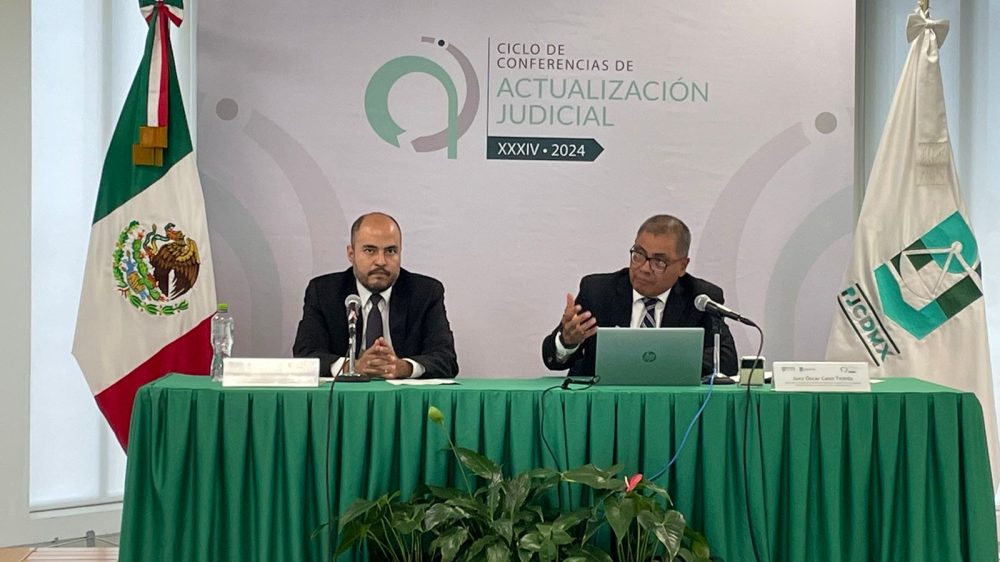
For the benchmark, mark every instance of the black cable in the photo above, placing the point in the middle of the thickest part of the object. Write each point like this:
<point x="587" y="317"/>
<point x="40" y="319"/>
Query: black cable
<point x="541" y="415"/>
<point x="329" y="495"/>
<point x="565" y="385"/>
<point x="746" y="425"/>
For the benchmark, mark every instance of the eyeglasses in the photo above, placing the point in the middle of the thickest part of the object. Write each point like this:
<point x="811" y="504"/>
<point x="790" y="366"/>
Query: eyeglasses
<point x="658" y="265"/>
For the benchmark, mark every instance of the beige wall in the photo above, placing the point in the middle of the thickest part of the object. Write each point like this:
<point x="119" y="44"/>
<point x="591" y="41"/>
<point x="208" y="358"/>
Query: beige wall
<point x="17" y="525"/>
<point x="15" y="231"/>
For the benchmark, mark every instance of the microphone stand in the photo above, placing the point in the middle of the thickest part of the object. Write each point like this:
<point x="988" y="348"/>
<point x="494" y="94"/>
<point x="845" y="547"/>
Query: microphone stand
<point x="717" y="377"/>
<point x="352" y="335"/>
<point x="351" y="375"/>
<point x="715" y="349"/>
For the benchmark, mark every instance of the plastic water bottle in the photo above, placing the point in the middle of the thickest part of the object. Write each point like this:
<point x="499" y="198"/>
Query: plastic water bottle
<point x="222" y="339"/>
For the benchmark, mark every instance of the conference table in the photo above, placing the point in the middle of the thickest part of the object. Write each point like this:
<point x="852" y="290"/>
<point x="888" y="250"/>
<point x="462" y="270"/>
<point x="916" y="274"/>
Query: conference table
<point x="898" y="473"/>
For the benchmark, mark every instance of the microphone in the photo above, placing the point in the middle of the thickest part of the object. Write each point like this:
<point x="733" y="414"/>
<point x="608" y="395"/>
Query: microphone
<point x="353" y="305"/>
<point x="705" y="303"/>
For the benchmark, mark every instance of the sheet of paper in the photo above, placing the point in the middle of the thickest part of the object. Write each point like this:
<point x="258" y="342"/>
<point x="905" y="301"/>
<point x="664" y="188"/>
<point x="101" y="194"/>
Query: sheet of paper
<point x="420" y="382"/>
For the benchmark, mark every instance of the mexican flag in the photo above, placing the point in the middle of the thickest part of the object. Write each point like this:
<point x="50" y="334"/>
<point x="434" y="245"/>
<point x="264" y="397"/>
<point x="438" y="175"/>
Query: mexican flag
<point x="911" y="303"/>
<point x="148" y="290"/>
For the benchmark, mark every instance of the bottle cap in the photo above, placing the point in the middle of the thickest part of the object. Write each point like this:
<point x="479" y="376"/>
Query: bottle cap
<point x="223" y="307"/>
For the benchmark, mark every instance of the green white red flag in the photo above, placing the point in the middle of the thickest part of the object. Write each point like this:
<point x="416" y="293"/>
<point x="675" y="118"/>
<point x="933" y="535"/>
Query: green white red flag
<point x="149" y="289"/>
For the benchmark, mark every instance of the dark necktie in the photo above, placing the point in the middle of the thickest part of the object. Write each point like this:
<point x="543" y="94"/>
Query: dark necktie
<point x="373" y="325"/>
<point x="649" y="318"/>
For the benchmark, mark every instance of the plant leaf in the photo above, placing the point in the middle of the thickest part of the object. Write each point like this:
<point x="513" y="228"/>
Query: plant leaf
<point x="643" y="503"/>
<point x="647" y="485"/>
<point x="531" y="542"/>
<point x="497" y="552"/>
<point x="588" y="553"/>
<point x="478" y="546"/>
<point x="566" y="521"/>
<point x="318" y="530"/>
<point x="619" y="513"/>
<point x="549" y="551"/>
<point x="541" y="473"/>
<point x="469" y="506"/>
<point x="351" y="536"/>
<point x="686" y="555"/>
<point x="593" y="525"/>
<point x="670" y="531"/>
<point x="504" y="528"/>
<point x="590" y="475"/>
<point x="477" y="463"/>
<point x="443" y="493"/>
<point x="702" y="551"/>
<point x="409" y="520"/>
<point x="517" y="491"/>
<point x="493" y="497"/>
<point x="359" y="507"/>
<point x="560" y="537"/>
<point x="440" y="513"/>
<point x="449" y="543"/>
<point x="543" y="479"/>
<point x="699" y="544"/>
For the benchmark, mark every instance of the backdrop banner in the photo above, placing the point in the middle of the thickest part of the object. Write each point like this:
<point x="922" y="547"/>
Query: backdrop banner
<point x="520" y="145"/>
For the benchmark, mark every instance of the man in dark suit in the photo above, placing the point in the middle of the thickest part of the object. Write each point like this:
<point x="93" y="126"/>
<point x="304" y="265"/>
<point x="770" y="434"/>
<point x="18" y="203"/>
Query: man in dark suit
<point x="655" y="290"/>
<point x="403" y="330"/>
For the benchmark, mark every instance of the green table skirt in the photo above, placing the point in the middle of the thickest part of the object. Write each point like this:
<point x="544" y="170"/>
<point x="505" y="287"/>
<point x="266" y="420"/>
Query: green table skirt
<point x="900" y="473"/>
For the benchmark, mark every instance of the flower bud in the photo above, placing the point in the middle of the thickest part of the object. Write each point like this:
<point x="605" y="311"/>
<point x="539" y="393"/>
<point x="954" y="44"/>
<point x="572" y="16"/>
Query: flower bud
<point x="435" y="415"/>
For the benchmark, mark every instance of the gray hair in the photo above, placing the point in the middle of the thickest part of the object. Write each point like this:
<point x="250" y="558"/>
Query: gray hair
<point x="668" y="225"/>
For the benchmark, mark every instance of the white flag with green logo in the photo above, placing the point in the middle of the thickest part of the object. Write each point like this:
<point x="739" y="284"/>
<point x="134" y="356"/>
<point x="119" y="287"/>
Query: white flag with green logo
<point x="148" y="289"/>
<point x="912" y="298"/>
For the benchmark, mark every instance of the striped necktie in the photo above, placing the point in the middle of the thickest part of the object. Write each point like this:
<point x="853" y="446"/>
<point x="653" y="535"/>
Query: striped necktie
<point x="649" y="318"/>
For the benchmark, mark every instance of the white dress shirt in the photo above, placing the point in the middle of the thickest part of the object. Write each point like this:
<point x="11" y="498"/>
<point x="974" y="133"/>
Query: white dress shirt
<point x="383" y="306"/>
<point x="638" y="312"/>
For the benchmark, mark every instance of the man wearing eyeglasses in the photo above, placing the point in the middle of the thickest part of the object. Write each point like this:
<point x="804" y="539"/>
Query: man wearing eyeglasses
<point x="655" y="290"/>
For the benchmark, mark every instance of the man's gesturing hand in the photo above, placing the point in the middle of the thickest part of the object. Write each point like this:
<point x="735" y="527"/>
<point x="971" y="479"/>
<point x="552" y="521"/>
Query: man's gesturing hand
<point x="577" y="324"/>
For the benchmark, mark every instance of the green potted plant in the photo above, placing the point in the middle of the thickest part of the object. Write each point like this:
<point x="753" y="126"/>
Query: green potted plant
<point x="505" y="518"/>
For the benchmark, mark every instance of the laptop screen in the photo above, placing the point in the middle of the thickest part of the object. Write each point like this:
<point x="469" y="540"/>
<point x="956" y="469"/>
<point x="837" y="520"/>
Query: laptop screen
<point x="649" y="356"/>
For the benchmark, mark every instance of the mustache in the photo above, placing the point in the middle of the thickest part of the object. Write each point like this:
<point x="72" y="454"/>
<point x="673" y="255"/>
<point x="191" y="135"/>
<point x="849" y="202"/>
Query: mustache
<point x="379" y="270"/>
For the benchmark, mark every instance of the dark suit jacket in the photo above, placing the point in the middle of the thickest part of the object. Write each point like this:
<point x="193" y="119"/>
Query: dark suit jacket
<point x="418" y="325"/>
<point x="608" y="296"/>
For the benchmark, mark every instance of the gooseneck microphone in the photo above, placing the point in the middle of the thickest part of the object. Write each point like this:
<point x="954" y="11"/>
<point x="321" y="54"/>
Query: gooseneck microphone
<point x="353" y="305"/>
<point x="705" y="303"/>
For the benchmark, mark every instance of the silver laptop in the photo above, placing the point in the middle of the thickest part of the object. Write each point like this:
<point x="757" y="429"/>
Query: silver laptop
<point x="649" y="356"/>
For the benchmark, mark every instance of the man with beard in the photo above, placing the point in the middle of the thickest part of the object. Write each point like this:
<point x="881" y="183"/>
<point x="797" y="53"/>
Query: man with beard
<point x="654" y="290"/>
<point x="403" y="330"/>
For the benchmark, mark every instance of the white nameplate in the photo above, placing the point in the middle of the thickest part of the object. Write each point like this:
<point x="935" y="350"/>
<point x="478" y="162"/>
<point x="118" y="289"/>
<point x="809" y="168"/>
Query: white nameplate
<point x="821" y="376"/>
<point x="252" y="371"/>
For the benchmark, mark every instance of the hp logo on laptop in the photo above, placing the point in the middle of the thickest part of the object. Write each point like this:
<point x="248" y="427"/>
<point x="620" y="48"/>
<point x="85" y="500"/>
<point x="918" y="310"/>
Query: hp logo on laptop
<point x="648" y="357"/>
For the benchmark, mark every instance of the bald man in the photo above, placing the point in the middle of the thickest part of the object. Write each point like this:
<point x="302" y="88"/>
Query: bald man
<point x="403" y="330"/>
